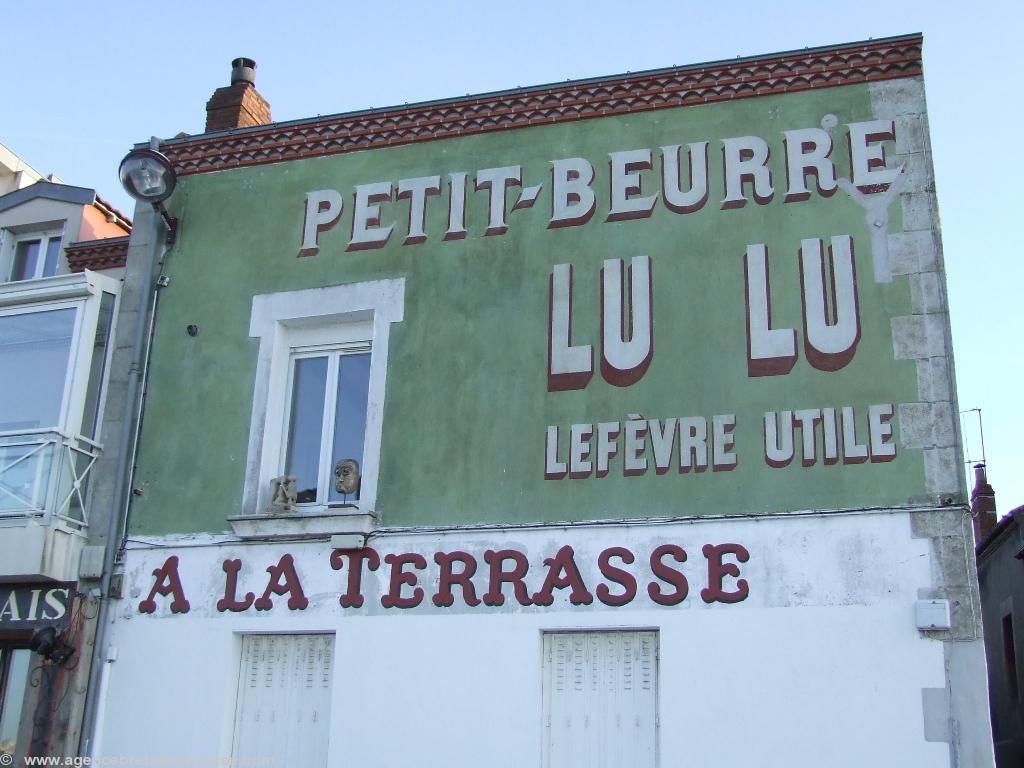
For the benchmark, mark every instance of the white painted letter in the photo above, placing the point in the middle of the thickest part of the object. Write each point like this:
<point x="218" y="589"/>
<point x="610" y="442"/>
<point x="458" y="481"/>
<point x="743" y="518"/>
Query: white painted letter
<point x="746" y="159"/>
<point x="323" y="209"/>
<point x="853" y="452"/>
<point x="808" y="418"/>
<point x="569" y="367"/>
<point x="778" y="454"/>
<point x="695" y="197"/>
<point x="497" y="181"/>
<point x="59" y="609"/>
<point x="770" y="351"/>
<point x="722" y="440"/>
<point x="417" y="190"/>
<point x="572" y="200"/>
<point x="607" y="445"/>
<point x="10" y="608"/>
<point x="830" y="337"/>
<point x="663" y="440"/>
<point x="880" y="430"/>
<point x="456" y="206"/>
<point x="828" y="423"/>
<point x="634" y="462"/>
<point x="624" y="361"/>
<point x="867" y="159"/>
<point x="626" y="185"/>
<point x="579" y="450"/>
<point x="693" y="443"/>
<point x="366" y="229"/>
<point x="808" y="151"/>
<point x="553" y="468"/>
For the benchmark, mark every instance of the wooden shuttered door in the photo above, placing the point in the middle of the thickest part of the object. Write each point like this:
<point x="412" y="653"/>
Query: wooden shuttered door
<point x="600" y="699"/>
<point x="282" y="715"/>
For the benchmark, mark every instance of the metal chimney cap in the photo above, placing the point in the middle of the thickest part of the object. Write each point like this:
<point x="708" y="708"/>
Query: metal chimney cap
<point x="243" y="70"/>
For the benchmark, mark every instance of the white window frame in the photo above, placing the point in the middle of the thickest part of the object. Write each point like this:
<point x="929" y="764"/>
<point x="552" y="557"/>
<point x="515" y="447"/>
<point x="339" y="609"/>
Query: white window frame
<point x="44" y="236"/>
<point x="82" y="292"/>
<point x="283" y="322"/>
<point x="323" y="342"/>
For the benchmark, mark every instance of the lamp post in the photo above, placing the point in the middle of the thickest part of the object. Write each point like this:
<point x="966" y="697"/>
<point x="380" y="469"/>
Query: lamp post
<point x="149" y="177"/>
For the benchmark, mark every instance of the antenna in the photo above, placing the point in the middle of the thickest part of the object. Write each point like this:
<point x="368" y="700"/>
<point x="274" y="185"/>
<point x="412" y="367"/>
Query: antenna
<point x="968" y="458"/>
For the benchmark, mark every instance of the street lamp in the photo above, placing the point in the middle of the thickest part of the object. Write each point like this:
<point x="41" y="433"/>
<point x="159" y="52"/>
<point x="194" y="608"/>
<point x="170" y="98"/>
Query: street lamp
<point x="148" y="177"/>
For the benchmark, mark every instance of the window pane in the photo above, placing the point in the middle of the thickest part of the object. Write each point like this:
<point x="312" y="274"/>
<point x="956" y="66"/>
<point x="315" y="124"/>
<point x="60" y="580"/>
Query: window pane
<point x="10" y="707"/>
<point x="52" y="257"/>
<point x="25" y="465"/>
<point x="306" y="425"/>
<point x="350" y="415"/>
<point x="97" y="366"/>
<point x="26" y="260"/>
<point x="35" y="346"/>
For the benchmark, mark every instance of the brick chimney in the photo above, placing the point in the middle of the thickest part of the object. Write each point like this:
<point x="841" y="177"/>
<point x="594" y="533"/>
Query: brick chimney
<point x="983" y="505"/>
<point x="238" y="105"/>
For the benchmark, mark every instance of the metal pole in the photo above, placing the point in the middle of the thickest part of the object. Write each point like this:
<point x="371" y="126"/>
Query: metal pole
<point x="147" y="247"/>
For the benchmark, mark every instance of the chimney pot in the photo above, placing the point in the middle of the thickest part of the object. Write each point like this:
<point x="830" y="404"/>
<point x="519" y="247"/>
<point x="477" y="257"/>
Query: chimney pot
<point x="238" y="105"/>
<point x="979" y="475"/>
<point x="983" y="505"/>
<point x="243" y="70"/>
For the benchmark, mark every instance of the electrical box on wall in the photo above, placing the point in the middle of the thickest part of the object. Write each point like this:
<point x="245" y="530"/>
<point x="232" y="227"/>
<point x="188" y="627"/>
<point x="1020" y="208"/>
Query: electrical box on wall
<point x="933" y="614"/>
<point x="90" y="564"/>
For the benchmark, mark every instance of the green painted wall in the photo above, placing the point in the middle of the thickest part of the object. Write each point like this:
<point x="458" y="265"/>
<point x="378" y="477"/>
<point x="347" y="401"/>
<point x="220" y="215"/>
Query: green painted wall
<point x="467" y="403"/>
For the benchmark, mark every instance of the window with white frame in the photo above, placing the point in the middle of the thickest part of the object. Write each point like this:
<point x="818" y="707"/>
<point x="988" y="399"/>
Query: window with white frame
<point x="36" y="255"/>
<point x="54" y="348"/>
<point x="319" y="394"/>
<point x="36" y="343"/>
<point x="328" y="385"/>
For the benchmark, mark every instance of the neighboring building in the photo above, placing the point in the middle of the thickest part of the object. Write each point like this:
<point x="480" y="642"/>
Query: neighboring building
<point x="15" y="173"/>
<point x="56" y="319"/>
<point x="603" y="423"/>
<point x="1000" y="566"/>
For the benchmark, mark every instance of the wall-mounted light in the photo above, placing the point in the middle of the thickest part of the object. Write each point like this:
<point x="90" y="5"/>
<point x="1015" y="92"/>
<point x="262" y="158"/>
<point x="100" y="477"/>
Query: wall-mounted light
<point x="49" y="644"/>
<point x="149" y="177"/>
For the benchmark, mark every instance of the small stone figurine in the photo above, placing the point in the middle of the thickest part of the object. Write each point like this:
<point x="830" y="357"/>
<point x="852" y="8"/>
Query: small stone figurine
<point x="283" y="494"/>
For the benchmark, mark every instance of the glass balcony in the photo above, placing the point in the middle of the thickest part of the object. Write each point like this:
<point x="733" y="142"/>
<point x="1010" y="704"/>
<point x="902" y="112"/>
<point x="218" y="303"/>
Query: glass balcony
<point x="43" y="474"/>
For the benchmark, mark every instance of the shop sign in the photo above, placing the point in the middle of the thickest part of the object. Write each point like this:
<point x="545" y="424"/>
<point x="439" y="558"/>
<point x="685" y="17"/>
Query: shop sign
<point x="28" y="606"/>
<point x="488" y="579"/>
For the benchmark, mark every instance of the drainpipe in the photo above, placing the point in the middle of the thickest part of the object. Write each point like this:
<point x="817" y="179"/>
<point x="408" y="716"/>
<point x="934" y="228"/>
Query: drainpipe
<point x="146" y="247"/>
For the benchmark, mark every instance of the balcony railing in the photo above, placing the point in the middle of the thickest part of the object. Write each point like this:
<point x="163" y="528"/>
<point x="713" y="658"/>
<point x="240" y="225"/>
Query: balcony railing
<point x="43" y="473"/>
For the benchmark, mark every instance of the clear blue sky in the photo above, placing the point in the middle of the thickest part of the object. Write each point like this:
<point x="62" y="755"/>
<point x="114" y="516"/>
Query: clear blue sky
<point x="84" y="82"/>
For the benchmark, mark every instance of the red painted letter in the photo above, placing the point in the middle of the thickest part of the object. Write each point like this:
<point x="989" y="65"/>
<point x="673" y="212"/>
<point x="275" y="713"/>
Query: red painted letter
<point x="717" y="571"/>
<point x="499" y="576"/>
<point x="167" y="583"/>
<point x="447" y="578"/>
<point x="562" y="573"/>
<point x="283" y="581"/>
<point x="670" y="575"/>
<point x="394" y="599"/>
<point x="353" y="597"/>
<point x="228" y="602"/>
<point x="617" y="575"/>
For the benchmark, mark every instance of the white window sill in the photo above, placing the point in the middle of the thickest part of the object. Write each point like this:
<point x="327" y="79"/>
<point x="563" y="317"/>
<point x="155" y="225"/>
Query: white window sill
<point x="57" y="288"/>
<point x="320" y="524"/>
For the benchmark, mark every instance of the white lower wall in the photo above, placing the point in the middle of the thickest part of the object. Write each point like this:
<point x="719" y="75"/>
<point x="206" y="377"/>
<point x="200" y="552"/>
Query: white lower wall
<point x="820" y="665"/>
